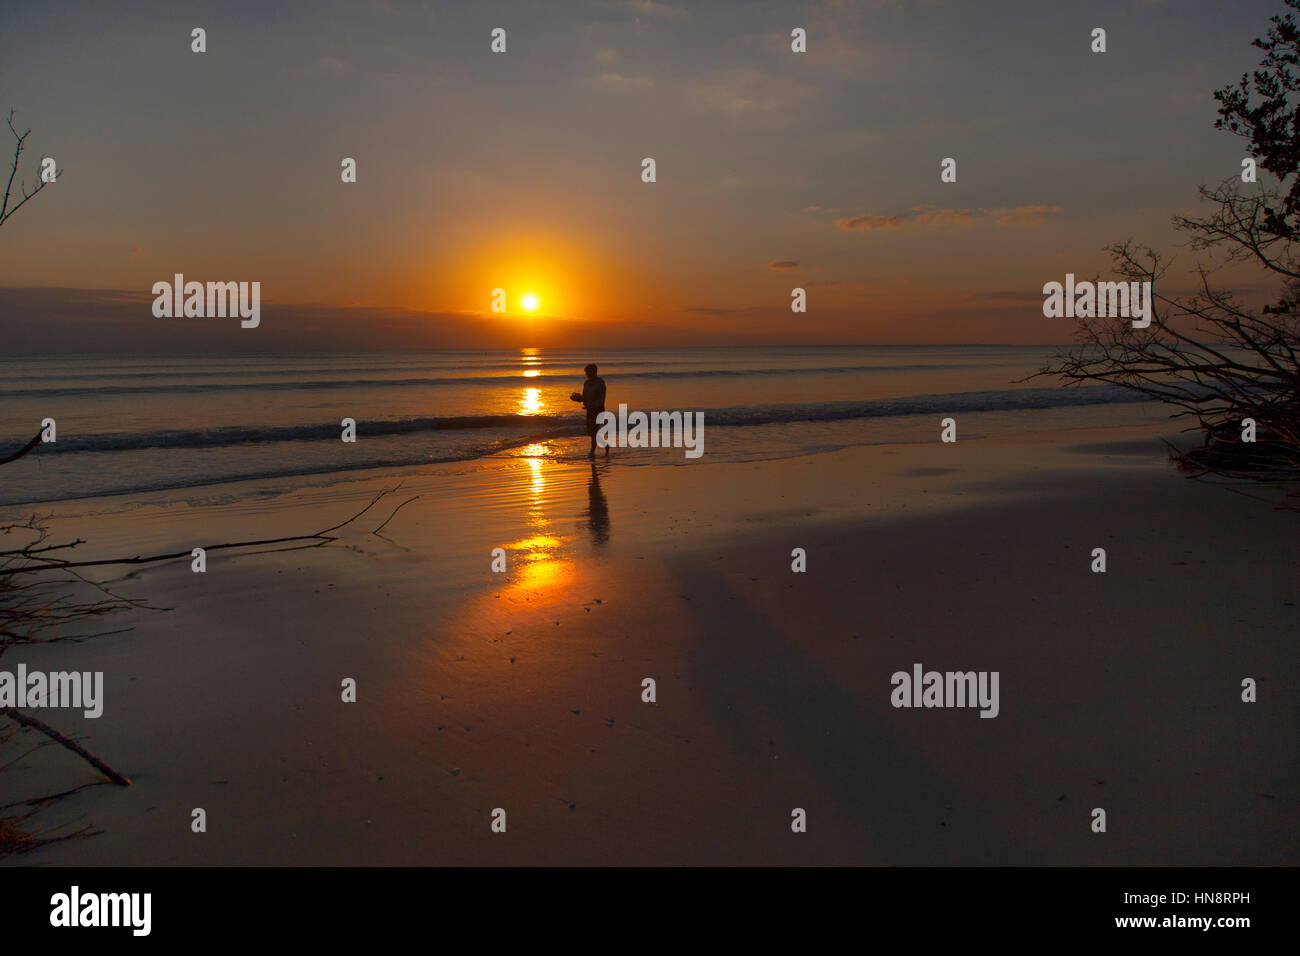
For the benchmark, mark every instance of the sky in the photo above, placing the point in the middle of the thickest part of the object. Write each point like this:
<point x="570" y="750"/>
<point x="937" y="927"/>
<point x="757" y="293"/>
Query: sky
<point x="523" y="170"/>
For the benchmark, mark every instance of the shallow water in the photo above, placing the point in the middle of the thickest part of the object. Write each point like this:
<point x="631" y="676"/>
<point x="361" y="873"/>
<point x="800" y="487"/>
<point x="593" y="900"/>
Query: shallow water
<point x="150" y="423"/>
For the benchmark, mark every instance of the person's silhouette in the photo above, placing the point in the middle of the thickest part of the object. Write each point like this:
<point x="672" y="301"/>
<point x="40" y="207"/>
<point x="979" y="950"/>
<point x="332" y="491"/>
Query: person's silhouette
<point x="592" y="398"/>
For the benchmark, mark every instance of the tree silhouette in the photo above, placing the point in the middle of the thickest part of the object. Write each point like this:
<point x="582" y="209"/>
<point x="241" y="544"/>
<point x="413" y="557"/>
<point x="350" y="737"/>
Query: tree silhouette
<point x="20" y="142"/>
<point x="1215" y="359"/>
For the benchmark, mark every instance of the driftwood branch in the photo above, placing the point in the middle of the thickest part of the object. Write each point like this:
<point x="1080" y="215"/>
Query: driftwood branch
<point x="27" y="609"/>
<point x="24" y="450"/>
<point x="394" y="514"/>
<point x="321" y="537"/>
<point x="28" y="721"/>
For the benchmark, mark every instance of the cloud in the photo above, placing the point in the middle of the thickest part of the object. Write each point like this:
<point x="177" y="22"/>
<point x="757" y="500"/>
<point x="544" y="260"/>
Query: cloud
<point x="712" y="312"/>
<point x="869" y="222"/>
<point x="1028" y="215"/>
<point x="748" y="91"/>
<point x="933" y="216"/>
<point x="652" y="8"/>
<point x="606" y="55"/>
<point x="717" y="313"/>
<point x="783" y="264"/>
<point x="621" y="84"/>
<point x="1002" y="216"/>
<point x="331" y="66"/>
<point x="1009" y="295"/>
<point x="48" y="321"/>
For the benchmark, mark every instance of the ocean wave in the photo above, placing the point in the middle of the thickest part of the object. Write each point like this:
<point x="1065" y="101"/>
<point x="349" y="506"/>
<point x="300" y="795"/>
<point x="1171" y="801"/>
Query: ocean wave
<point x="537" y="427"/>
<point x="163" y="481"/>
<point x="461" y="381"/>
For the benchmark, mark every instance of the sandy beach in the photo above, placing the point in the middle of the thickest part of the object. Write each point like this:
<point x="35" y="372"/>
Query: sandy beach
<point x="523" y="690"/>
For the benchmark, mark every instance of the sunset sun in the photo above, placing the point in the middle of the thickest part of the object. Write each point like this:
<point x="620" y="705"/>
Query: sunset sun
<point x="530" y="302"/>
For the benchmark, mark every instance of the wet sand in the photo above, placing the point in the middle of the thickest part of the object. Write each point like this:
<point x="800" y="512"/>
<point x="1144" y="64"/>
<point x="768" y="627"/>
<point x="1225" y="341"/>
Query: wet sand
<point x="523" y="690"/>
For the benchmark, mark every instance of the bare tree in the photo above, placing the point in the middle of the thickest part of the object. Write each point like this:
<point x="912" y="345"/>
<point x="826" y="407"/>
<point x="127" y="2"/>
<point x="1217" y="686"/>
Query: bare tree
<point x="1218" y="361"/>
<point x="28" y="612"/>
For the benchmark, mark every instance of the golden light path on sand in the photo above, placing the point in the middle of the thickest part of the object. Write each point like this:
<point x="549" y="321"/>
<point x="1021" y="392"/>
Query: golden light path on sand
<point x="541" y="568"/>
<point x="528" y="631"/>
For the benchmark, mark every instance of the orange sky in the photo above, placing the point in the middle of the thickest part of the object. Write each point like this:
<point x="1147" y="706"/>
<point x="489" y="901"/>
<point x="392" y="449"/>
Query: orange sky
<point x="522" y="170"/>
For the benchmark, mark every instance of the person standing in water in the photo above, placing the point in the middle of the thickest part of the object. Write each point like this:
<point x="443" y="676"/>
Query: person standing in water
<point x="592" y="398"/>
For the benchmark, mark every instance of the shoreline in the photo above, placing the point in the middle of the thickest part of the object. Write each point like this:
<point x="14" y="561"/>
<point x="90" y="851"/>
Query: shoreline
<point x="523" y="690"/>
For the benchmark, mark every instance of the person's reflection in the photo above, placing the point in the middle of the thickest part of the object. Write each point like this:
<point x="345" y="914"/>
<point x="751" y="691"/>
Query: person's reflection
<point x="597" y="513"/>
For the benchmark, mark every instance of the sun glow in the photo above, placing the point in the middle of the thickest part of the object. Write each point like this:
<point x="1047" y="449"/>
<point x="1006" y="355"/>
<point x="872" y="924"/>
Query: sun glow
<point x="544" y="278"/>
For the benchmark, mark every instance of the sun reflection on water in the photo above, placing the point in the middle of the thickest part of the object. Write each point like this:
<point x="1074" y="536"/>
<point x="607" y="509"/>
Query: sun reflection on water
<point x="531" y="403"/>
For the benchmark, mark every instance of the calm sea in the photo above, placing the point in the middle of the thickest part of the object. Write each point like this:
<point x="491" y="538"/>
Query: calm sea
<point x="150" y="423"/>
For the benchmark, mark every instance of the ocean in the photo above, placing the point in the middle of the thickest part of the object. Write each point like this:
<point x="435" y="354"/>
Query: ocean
<point x="152" y="423"/>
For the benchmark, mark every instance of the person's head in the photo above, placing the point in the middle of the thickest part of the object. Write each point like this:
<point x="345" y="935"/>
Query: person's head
<point x="590" y="370"/>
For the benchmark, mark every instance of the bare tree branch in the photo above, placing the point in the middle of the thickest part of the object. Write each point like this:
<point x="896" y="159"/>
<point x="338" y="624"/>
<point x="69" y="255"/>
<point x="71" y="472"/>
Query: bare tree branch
<point x="20" y="140"/>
